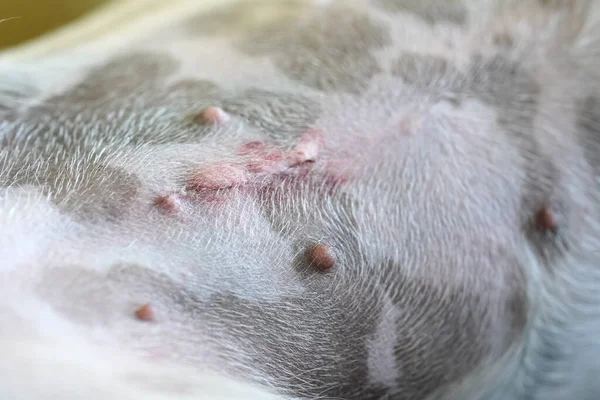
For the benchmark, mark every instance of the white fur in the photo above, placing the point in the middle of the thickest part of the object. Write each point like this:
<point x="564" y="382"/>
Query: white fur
<point x="59" y="370"/>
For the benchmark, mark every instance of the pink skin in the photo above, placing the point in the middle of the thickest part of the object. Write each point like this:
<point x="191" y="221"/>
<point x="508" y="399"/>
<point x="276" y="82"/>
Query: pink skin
<point x="252" y="148"/>
<point x="260" y="161"/>
<point x="258" y="166"/>
<point x="220" y="176"/>
<point x="309" y="147"/>
<point x="263" y="161"/>
<point x="341" y="175"/>
<point x="213" y="116"/>
<point x="269" y="163"/>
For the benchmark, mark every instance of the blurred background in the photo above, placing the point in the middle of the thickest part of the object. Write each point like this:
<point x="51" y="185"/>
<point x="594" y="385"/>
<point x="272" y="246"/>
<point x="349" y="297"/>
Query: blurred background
<point x="23" y="20"/>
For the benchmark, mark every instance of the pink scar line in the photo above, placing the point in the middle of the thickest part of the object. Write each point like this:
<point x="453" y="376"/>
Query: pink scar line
<point x="253" y="148"/>
<point x="256" y="163"/>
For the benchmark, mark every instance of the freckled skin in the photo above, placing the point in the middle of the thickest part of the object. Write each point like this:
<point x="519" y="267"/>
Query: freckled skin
<point x="346" y="200"/>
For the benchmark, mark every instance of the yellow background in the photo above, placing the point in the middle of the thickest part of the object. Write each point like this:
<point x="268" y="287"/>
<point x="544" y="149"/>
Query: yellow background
<point x="36" y="17"/>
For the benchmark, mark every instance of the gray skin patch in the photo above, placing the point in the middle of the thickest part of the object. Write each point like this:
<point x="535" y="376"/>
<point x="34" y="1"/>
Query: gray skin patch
<point x="325" y="331"/>
<point x="14" y="96"/>
<point x="503" y="84"/>
<point x="101" y="193"/>
<point x="321" y="55"/>
<point x="557" y="4"/>
<point x="518" y="310"/>
<point x="440" y="323"/>
<point x="59" y="144"/>
<point x="126" y="103"/>
<point x="331" y="217"/>
<point x="504" y="41"/>
<point x="321" y="335"/>
<point x="122" y="105"/>
<point x="106" y="298"/>
<point x="109" y="106"/>
<point x="514" y="94"/>
<point x="7" y="113"/>
<point x="447" y="347"/>
<point x="281" y="116"/>
<point x="9" y="101"/>
<point x="313" y="345"/>
<point x="432" y="74"/>
<point x="430" y="11"/>
<point x="90" y="191"/>
<point x="120" y="77"/>
<point x="423" y="70"/>
<point x="306" y="48"/>
<point x="588" y="123"/>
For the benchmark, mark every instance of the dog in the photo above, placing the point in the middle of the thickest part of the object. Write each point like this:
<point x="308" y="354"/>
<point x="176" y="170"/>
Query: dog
<point x="285" y="199"/>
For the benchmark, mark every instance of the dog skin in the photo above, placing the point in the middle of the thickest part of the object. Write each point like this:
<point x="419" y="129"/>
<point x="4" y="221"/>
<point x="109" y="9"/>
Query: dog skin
<point x="383" y="199"/>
